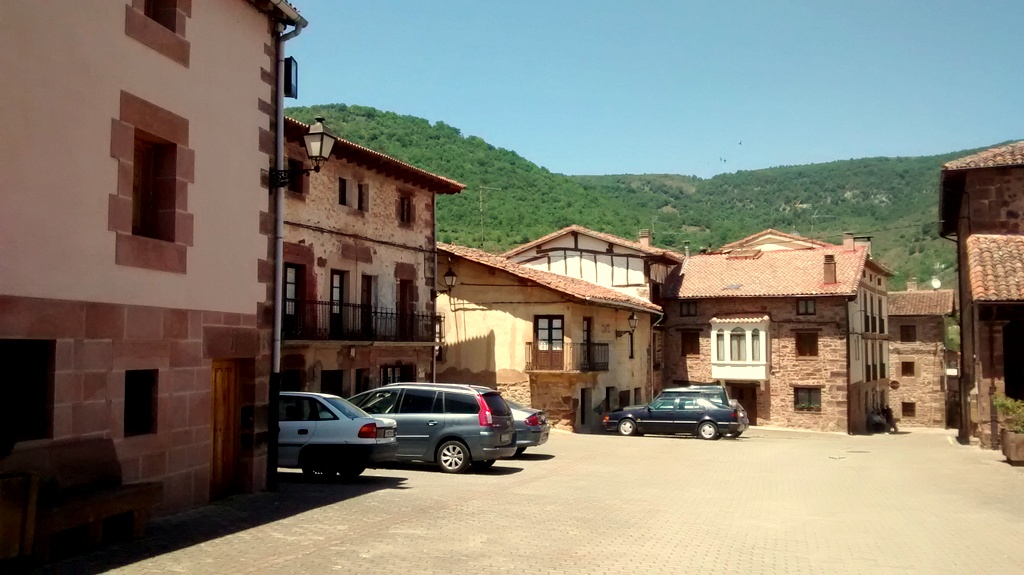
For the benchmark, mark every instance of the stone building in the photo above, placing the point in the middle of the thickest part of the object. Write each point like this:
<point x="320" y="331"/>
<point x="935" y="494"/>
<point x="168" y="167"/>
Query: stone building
<point x="131" y="306"/>
<point x="795" y="328"/>
<point x="555" y="342"/>
<point x="981" y="205"/>
<point x="917" y="350"/>
<point x="359" y="270"/>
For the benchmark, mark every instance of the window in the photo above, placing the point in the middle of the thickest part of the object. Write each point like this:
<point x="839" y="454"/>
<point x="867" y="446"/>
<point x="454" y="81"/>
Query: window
<point x="908" y="333"/>
<point x="397" y="373"/>
<point x="720" y="347"/>
<point x="806" y="344"/>
<point x="690" y="342"/>
<point x="405" y="209"/>
<point x="549" y="332"/>
<point x="380" y="402"/>
<point x="608" y="398"/>
<point x="363" y="198"/>
<point x="631" y="341"/>
<point x="33" y="394"/>
<point x="140" y="393"/>
<point x="460" y="403"/>
<point x="332" y="381"/>
<point x="663" y="404"/>
<point x="805" y="307"/>
<point x="418" y="401"/>
<point x="755" y="345"/>
<point x="738" y="344"/>
<point x="342" y="192"/>
<point x="907" y="368"/>
<point x="160" y="24"/>
<point x="296" y="178"/>
<point x="909" y="409"/>
<point x="303" y="409"/>
<point x="151" y="157"/>
<point x="362" y="380"/>
<point x="638" y="396"/>
<point x="163" y="12"/>
<point x="688" y="308"/>
<point x="807" y="398"/>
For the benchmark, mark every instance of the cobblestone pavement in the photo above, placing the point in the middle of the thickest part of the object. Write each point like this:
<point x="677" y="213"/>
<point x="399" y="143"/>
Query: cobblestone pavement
<point x="771" y="502"/>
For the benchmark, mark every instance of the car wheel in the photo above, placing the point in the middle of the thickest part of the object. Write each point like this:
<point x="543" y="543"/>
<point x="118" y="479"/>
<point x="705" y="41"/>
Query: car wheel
<point x="351" y="472"/>
<point x="627" y="427"/>
<point x="453" y="457"/>
<point x="313" y="466"/>
<point x="520" y="451"/>
<point x="481" y="465"/>
<point x="708" y="430"/>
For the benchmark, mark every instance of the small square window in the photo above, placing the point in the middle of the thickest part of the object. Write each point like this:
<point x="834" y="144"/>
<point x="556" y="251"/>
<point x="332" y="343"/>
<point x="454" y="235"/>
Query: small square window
<point x="405" y="210"/>
<point x="807" y="398"/>
<point x="688" y="308"/>
<point x="163" y="12"/>
<point x="140" y="393"/>
<point x="29" y="395"/>
<point x="690" y="342"/>
<point x="907" y="368"/>
<point x="363" y="199"/>
<point x="805" y="307"/>
<point x="908" y="333"/>
<point x="806" y="344"/>
<point x="342" y="192"/>
<point x="151" y="157"/>
<point x="909" y="409"/>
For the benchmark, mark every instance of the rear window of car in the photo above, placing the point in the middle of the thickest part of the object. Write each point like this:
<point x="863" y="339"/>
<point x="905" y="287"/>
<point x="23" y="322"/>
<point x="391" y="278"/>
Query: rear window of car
<point x="346" y="408"/>
<point x="497" y="404"/>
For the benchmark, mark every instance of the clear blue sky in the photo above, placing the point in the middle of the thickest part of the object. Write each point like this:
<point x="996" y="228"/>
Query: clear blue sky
<point x="652" y="86"/>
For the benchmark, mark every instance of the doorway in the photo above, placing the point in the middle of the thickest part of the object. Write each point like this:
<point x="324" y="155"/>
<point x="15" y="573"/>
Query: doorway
<point x="225" y="432"/>
<point x="548" y="335"/>
<point x="1013" y="342"/>
<point x="746" y="394"/>
<point x="586" y="404"/>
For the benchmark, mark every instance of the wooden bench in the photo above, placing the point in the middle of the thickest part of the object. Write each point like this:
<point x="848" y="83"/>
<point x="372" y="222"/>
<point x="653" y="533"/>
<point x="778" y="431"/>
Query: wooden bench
<point x="79" y="484"/>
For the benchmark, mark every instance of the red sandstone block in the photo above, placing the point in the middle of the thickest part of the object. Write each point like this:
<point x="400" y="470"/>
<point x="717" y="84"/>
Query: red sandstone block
<point x="177" y="492"/>
<point x="204" y="379"/>
<point x="213" y="318"/>
<point x="95" y="386"/>
<point x="93" y="417"/>
<point x="181" y="437"/>
<point x="154" y="465"/>
<point x="248" y="320"/>
<point x="61" y="421"/>
<point x="140" y="354"/>
<point x="201" y="485"/>
<point x="177" y="460"/>
<point x="115" y="385"/>
<point x="199" y="407"/>
<point x="33" y="318"/>
<point x="142" y="444"/>
<point x="104" y="321"/>
<point x="175" y="324"/>
<point x="131" y="469"/>
<point x="195" y="325"/>
<point x="64" y="355"/>
<point x="93" y="355"/>
<point x="67" y="387"/>
<point x="144" y="323"/>
<point x="200" y="454"/>
<point x="186" y="353"/>
<point x="203" y="433"/>
<point x="117" y="418"/>
<point x="177" y="411"/>
<point x="232" y="319"/>
<point x="180" y="380"/>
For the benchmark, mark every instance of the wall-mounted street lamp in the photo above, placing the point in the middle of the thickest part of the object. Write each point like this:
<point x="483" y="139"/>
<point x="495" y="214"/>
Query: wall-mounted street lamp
<point x="633" y="321"/>
<point x="319" y="143"/>
<point x="450" y="279"/>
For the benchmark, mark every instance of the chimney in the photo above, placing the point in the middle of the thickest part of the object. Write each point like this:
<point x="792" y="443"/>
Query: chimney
<point x="686" y="248"/>
<point x="864" y="241"/>
<point x="848" y="241"/>
<point x="645" y="238"/>
<point x="912" y="284"/>
<point x="830" y="269"/>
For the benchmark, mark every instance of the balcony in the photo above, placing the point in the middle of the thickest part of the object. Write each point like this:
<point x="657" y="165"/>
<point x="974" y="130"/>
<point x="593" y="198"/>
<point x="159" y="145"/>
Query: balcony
<point x="332" y="321"/>
<point x="571" y="357"/>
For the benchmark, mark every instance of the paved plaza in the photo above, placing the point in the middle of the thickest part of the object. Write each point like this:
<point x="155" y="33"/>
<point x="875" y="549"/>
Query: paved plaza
<point x="771" y="502"/>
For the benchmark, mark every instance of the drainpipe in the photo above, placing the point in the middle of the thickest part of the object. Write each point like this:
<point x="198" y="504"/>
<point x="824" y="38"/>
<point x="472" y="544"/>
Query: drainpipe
<point x="298" y="23"/>
<point x="993" y="416"/>
<point x="650" y="367"/>
<point x="849" y="353"/>
<point x="433" y="291"/>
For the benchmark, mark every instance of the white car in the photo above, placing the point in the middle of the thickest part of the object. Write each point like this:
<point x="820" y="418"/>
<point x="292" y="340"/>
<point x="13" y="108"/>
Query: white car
<point x="324" y="434"/>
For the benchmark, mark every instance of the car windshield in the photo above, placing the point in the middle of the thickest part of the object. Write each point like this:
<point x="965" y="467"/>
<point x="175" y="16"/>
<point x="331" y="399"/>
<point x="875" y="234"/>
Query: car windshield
<point x="497" y="404"/>
<point x="346" y="408"/>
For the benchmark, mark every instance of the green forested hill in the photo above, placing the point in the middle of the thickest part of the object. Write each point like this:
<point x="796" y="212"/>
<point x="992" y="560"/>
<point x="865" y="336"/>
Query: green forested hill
<point x="893" y="199"/>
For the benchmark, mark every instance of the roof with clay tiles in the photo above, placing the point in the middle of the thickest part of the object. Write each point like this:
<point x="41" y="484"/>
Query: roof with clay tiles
<point x="613" y="239"/>
<point x="921" y="302"/>
<point x="768" y="274"/>
<point x="995" y="266"/>
<point x="1008" y="155"/>
<point x="574" y="287"/>
<point x="771" y="232"/>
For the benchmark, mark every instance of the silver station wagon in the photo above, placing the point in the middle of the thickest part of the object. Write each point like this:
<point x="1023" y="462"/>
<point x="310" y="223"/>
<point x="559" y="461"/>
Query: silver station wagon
<point x="456" y="426"/>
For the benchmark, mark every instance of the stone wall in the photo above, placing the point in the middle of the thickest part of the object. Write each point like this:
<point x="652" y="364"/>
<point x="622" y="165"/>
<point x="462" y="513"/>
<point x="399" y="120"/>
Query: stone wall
<point x="995" y="200"/>
<point x="925" y="387"/>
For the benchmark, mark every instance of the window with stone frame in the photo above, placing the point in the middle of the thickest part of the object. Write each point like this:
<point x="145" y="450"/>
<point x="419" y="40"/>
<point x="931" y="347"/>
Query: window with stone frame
<point x="738" y="344"/>
<point x="405" y="210"/>
<point x="805" y="307"/>
<point x="908" y="333"/>
<point x="30" y="396"/>
<point x="807" y="398"/>
<point x="160" y="25"/>
<point x="140" y="401"/>
<point x="342" y="192"/>
<point x="909" y="409"/>
<point x="152" y="156"/>
<point x="689" y="342"/>
<point x="806" y="343"/>
<point x="908" y="368"/>
<point x="363" y="197"/>
<point x="688" y="308"/>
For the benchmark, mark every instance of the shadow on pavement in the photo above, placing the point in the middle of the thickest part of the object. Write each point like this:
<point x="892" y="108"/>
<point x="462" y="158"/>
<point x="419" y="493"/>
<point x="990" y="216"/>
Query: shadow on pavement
<point x="532" y="457"/>
<point x="501" y="467"/>
<point x="296" y="494"/>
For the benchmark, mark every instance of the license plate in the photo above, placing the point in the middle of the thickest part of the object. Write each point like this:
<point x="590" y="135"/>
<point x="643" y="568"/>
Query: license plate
<point x="506" y="437"/>
<point x="389" y="433"/>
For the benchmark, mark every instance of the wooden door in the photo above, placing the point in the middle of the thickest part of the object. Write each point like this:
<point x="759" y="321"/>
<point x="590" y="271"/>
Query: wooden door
<point x="549" y="338"/>
<point x="746" y="394"/>
<point x="293" y="303"/>
<point x="337" y="315"/>
<point x="225" y="402"/>
<point x="585" y="351"/>
<point x="405" y="310"/>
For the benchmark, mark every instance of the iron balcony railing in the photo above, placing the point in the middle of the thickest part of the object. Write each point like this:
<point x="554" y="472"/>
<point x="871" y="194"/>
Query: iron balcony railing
<point x="568" y="356"/>
<point x="324" y="320"/>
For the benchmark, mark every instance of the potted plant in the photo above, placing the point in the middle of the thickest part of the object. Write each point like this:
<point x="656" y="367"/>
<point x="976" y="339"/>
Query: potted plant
<point x="1012" y="411"/>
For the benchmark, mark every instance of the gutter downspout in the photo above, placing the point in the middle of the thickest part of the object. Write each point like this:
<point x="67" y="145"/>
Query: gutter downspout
<point x="274" y="392"/>
<point x="433" y="292"/>
<point x="661" y="318"/>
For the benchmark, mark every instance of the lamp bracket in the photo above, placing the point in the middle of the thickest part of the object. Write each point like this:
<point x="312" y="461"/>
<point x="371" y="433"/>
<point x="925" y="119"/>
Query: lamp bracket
<point x="620" y="333"/>
<point x="281" y="178"/>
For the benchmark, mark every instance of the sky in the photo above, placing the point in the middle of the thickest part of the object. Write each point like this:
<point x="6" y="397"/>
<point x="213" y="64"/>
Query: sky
<point x="651" y="86"/>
